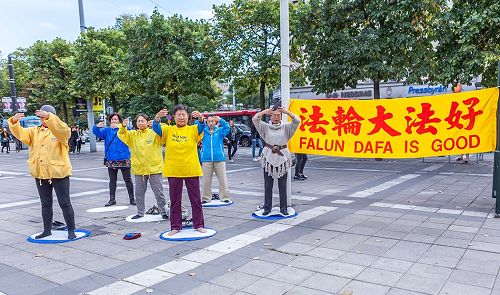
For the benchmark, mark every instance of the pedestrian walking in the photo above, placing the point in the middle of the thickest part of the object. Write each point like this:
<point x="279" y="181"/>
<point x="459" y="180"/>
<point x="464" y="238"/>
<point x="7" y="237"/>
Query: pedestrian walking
<point x="72" y="139"/>
<point x="19" y="144"/>
<point x="182" y="164"/>
<point x="79" y="140"/>
<point x="116" y="157"/>
<point x="5" y="140"/>
<point x="213" y="158"/>
<point x="299" y="167"/>
<point x="276" y="158"/>
<point x="146" y="161"/>
<point x="256" y="142"/>
<point x="233" y="137"/>
<point x="49" y="164"/>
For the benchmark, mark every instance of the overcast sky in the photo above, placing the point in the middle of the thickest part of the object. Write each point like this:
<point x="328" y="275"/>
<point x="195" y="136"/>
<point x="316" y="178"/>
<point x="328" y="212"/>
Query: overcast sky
<point x="22" y="22"/>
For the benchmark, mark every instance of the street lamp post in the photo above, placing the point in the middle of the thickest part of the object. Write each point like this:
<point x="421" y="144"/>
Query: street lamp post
<point x="12" y="83"/>
<point x="285" y="74"/>
<point x="90" y="109"/>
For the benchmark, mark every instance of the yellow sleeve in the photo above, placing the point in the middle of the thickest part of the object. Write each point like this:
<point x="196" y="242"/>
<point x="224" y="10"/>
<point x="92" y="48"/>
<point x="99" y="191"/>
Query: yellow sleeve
<point x="165" y="129"/>
<point x="60" y="129"/>
<point x="194" y="132"/>
<point x="23" y="134"/>
<point x="125" y="135"/>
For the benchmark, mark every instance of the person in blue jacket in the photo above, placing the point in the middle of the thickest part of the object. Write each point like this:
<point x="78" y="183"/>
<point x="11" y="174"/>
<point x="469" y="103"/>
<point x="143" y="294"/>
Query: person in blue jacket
<point x="213" y="158"/>
<point x="116" y="157"/>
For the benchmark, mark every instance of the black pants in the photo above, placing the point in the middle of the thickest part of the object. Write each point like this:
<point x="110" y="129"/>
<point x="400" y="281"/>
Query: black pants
<point x="78" y="146"/>
<point x="234" y="146"/>
<point x="72" y="145"/>
<point x="113" y="176"/>
<point x="7" y="146"/>
<point x="268" y="193"/>
<point x="61" y="186"/>
<point x="19" y="145"/>
<point x="301" y="163"/>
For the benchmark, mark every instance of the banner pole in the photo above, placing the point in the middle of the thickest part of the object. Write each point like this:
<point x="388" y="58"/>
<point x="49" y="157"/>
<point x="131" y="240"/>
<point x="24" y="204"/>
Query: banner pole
<point x="496" y="161"/>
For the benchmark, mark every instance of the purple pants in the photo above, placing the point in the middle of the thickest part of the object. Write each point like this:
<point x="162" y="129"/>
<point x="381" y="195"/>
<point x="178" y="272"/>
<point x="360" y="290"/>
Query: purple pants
<point x="175" y="191"/>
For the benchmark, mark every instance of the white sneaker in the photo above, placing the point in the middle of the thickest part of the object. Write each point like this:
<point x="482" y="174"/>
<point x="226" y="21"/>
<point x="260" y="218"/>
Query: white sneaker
<point x="259" y="158"/>
<point x="255" y="159"/>
<point x="231" y="161"/>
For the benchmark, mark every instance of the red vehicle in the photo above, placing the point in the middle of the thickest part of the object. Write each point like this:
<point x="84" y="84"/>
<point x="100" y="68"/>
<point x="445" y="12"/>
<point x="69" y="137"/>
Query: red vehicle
<point x="242" y="120"/>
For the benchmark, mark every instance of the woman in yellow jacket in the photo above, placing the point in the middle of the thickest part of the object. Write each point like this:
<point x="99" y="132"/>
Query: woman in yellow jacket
<point x="49" y="164"/>
<point x="146" y="162"/>
<point x="182" y="164"/>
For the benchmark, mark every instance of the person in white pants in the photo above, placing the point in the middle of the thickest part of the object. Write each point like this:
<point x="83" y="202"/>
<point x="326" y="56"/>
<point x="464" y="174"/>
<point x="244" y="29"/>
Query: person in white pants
<point x="213" y="158"/>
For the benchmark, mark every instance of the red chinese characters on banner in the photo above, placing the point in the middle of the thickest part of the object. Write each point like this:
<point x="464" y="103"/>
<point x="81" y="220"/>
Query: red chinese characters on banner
<point x="425" y="119"/>
<point x="455" y="115"/>
<point x="379" y="122"/>
<point x="349" y="122"/>
<point x="314" y="121"/>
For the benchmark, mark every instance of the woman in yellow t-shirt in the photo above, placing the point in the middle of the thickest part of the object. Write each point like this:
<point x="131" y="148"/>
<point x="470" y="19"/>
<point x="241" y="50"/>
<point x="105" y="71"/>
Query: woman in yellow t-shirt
<point x="182" y="164"/>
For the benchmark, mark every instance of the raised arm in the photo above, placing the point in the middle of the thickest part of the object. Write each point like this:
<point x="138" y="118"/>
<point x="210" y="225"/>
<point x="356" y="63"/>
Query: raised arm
<point x="99" y="130"/>
<point x="224" y="126"/>
<point x="56" y="126"/>
<point x="23" y="134"/>
<point x="257" y="122"/>
<point x="124" y="134"/>
<point x="201" y="121"/>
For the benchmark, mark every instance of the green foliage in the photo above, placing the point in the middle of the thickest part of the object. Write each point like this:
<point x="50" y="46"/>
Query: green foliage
<point x="171" y="56"/>
<point x="249" y="41"/>
<point x="468" y="42"/>
<point x="347" y="41"/>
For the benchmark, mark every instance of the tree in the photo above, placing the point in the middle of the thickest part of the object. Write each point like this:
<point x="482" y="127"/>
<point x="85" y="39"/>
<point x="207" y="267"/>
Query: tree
<point x="468" y="43"/>
<point x="171" y="56"/>
<point x="99" y="65"/>
<point x="49" y="74"/>
<point x="249" y="41"/>
<point x="351" y="40"/>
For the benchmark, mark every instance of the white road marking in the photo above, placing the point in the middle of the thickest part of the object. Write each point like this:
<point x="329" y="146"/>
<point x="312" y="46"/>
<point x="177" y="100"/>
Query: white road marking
<point x="34" y="201"/>
<point x="381" y="187"/>
<point x="342" y="202"/>
<point x="261" y="193"/>
<point x="88" y="169"/>
<point x="242" y="169"/>
<point x="158" y="274"/>
<point x="431" y="209"/>
<point x="432" y="168"/>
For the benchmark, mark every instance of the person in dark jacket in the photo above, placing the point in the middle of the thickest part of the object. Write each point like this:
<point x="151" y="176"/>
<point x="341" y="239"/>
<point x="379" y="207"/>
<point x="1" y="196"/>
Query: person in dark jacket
<point x="116" y="157"/>
<point x="213" y="158"/>
<point x="234" y="137"/>
<point x="5" y="140"/>
<point x="72" y="139"/>
<point x="256" y="141"/>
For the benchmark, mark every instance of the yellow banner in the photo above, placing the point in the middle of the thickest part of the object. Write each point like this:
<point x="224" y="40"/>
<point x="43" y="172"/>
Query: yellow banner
<point x="457" y="123"/>
<point x="97" y="105"/>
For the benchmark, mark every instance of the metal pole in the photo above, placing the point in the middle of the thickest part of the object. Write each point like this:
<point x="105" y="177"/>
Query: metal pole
<point x="104" y="110"/>
<point x="496" y="161"/>
<point x="234" y="97"/>
<point x="285" y="75"/>
<point x="12" y="83"/>
<point x="90" y="109"/>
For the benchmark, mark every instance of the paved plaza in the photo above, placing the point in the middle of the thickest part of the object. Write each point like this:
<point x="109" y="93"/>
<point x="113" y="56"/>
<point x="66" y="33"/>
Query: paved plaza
<point x="364" y="227"/>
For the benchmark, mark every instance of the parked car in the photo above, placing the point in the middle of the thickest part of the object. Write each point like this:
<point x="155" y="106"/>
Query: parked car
<point x="30" y="121"/>
<point x="245" y="135"/>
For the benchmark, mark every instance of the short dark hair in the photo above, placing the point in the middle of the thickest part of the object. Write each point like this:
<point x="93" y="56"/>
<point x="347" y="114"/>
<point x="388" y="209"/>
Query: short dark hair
<point x="110" y="116"/>
<point x="180" y="107"/>
<point x="142" y="115"/>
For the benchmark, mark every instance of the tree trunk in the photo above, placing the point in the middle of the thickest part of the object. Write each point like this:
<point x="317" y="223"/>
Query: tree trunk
<point x="376" y="89"/>
<point x="175" y="97"/>
<point x="262" y="95"/>
<point x="65" y="112"/>
<point x="113" y="103"/>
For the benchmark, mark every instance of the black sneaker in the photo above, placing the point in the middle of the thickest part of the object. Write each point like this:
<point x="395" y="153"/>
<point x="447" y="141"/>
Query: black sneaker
<point x="137" y="216"/>
<point x="164" y="216"/>
<point x="284" y="212"/>
<point x="227" y="201"/>
<point x="266" y="212"/>
<point x="298" y="177"/>
<point x="303" y="176"/>
<point x="110" y="203"/>
<point x="204" y="202"/>
<point x="132" y="202"/>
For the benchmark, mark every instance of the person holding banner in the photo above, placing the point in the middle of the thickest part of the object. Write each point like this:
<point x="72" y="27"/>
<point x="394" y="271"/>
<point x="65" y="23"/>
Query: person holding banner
<point x="49" y="164"/>
<point x="276" y="158"/>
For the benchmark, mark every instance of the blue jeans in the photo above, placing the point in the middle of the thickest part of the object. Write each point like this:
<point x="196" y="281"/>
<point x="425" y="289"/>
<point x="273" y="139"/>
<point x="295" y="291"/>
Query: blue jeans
<point x="256" y="142"/>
